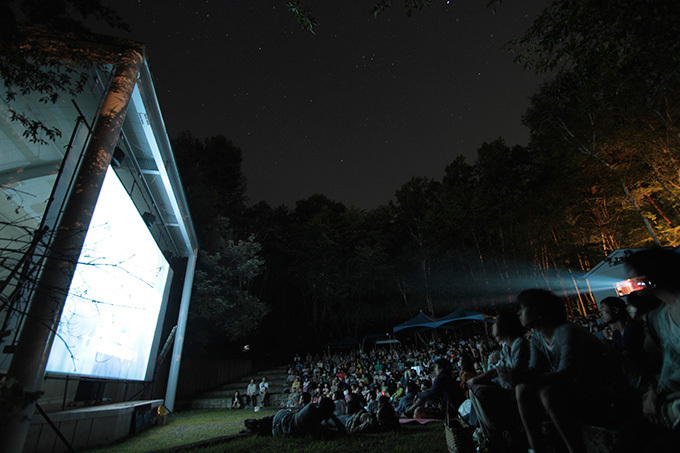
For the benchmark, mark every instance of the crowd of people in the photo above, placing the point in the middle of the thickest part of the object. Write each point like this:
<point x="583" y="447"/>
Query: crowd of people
<point x="619" y="369"/>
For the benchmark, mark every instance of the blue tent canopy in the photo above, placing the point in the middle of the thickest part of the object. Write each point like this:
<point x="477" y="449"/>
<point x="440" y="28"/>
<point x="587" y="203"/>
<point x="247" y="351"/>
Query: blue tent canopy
<point x="420" y="320"/>
<point x="460" y="317"/>
<point x="454" y="319"/>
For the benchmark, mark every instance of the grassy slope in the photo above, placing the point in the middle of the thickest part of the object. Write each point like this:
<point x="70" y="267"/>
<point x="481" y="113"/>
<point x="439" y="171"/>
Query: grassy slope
<point x="194" y="426"/>
<point x="411" y="439"/>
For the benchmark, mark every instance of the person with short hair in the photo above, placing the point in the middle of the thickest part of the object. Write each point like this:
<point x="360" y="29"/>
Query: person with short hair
<point x="236" y="401"/>
<point x="492" y="394"/>
<point x="386" y="416"/>
<point x="264" y="390"/>
<point x="443" y="392"/>
<point x="407" y="401"/>
<point x="661" y="402"/>
<point x="572" y="374"/>
<point x="251" y="393"/>
<point x="398" y="392"/>
<point x="628" y="335"/>
<point x="314" y="419"/>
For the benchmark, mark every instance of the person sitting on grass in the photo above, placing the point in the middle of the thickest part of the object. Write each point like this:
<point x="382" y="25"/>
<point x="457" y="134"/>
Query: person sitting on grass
<point x="371" y="402"/>
<point x="360" y="421"/>
<point x="292" y="401"/>
<point x="492" y="393"/>
<point x="340" y="403"/>
<point x="424" y="386"/>
<point x="398" y="393"/>
<point x="443" y="392"/>
<point x="386" y="416"/>
<point x="407" y="401"/>
<point x="466" y="366"/>
<point x="305" y="399"/>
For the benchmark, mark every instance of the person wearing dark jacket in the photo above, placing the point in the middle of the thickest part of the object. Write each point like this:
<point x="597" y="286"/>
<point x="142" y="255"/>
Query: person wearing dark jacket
<point x="407" y="400"/>
<point x="444" y="392"/>
<point x="314" y="419"/>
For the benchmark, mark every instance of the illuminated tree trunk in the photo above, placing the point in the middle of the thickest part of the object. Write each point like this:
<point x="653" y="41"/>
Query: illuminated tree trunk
<point x="35" y="342"/>
<point x="640" y="213"/>
<point x="426" y="271"/>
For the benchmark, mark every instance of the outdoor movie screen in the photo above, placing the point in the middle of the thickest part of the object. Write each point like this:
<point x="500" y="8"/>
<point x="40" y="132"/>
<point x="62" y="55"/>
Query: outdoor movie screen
<point x="117" y="296"/>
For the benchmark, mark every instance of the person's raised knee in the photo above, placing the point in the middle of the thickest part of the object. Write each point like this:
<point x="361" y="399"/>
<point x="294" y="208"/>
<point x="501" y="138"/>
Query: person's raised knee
<point x="552" y="398"/>
<point x="523" y="391"/>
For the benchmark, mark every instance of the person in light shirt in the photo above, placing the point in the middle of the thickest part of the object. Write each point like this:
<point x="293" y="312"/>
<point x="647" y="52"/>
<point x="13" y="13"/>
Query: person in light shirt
<point x="251" y="393"/>
<point x="264" y="390"/>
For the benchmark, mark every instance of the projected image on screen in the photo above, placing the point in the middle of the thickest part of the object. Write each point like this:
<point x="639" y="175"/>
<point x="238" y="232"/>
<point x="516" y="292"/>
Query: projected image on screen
<point x="110" y="316"/>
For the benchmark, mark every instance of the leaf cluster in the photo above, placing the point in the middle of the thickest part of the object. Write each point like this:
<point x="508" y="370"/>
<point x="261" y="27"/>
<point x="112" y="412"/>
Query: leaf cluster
<point x="41" y="53"/>
<point x="302" y="15"/>
<point x="409" y="6"/>
<point x="58" y="15"/>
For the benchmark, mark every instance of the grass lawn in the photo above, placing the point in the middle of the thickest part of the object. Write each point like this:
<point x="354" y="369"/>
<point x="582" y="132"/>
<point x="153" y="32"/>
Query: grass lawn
<point x="185" y="428"/>
<point x="411" y="439"/>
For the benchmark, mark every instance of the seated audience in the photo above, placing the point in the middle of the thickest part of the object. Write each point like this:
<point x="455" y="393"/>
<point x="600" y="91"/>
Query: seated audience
<point x="628" y="335"/>
<point x="264" y="391"/>
<point x="251" y="393"/>
<point x="305" y="399"/>
<point x="492" y="393"/>
<point x="386" y="416"/>
<point x="371" y="402"/>
<point x="571" y="374"/>
<point x="398" y="393"/>
<point x="443" y="392"/>
<point x="236" y="401"/>
<point x="466" y="365"/>
<point x="407" y="401"/>
<point x="640" y="303"/>
<point x="296" y="386"/>
<point x="340" y="403"/>
<point x="661" y="403"/>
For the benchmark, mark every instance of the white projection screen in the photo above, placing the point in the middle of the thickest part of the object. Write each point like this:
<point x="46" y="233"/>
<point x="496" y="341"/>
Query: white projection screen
<point x="117" y="296"/>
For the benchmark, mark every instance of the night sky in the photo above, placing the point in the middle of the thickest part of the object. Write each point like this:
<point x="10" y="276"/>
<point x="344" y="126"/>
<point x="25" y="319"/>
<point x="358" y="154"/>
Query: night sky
<point x="351" y="112"/>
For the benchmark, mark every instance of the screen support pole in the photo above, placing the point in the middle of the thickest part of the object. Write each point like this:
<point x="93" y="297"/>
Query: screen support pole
<point x="173" y="376"/>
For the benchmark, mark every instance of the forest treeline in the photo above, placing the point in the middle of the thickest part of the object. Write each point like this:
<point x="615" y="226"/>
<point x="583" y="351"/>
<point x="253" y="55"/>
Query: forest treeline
<point x="600" y="172"/>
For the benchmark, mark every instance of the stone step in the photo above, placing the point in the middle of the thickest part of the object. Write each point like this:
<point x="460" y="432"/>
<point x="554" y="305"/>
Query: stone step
<point x="278" y="386"/>
<point x="273" y="400"/>
<point x="246" y="381"/>
<point x="229" y="392"/>
<point x="221" y="397"/>
<point x="270" y="377"/>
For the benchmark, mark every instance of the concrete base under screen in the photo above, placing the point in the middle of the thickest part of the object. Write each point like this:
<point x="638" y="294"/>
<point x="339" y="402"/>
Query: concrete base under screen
<point x="91" y="426"/>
